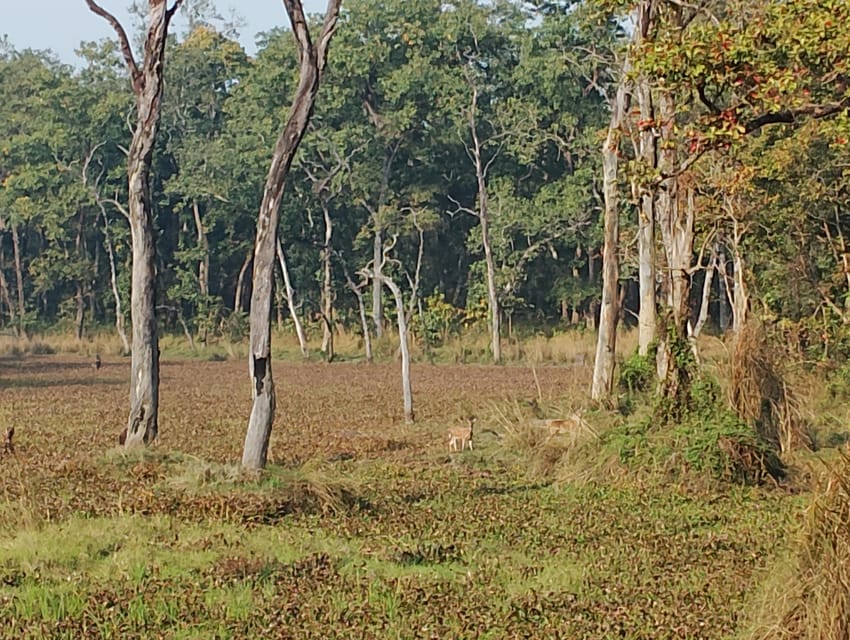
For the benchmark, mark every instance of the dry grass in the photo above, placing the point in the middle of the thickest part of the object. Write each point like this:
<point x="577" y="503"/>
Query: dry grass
<point x="759" y="392"/>
<point x="808" y="598"/>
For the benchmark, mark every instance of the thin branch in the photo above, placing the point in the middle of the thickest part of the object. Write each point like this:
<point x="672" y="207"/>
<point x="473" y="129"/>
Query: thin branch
<point x="123" y="41"/>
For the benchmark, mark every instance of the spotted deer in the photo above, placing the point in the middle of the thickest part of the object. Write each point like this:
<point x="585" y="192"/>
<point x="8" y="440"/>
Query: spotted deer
<point x="461" y="435"/>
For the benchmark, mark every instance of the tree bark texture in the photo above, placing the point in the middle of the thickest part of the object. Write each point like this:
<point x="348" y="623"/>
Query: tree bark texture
<point x="606" y="343"/>
<point x="312" y="59"/>
<point x="147" y="83"/>
<point x="677" y="234"/>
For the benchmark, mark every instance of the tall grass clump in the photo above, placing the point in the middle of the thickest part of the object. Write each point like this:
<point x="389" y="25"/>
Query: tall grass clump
<point x="759" y="393"/>
<point x="809" y="597"/>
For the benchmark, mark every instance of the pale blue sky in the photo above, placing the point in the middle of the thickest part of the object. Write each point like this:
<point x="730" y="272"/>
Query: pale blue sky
<point x="60" y="25"/>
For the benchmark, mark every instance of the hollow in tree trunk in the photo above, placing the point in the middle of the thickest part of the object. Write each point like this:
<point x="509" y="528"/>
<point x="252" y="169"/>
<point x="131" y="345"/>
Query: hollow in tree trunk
<point x="312" y="61"/>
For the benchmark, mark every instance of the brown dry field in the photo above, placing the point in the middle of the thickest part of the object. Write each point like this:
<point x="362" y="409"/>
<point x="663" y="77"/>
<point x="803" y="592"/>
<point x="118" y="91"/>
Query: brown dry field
<point x="65" y="414"/>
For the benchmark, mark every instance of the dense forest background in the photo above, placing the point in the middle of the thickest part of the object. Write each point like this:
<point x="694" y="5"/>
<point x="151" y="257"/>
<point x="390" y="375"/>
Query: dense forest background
<point x="425" y="107"/>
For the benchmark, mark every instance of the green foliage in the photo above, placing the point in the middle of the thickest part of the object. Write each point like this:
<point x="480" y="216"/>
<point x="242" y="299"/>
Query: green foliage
<point x="637" y="373"/>
<point x="708" y="441"/>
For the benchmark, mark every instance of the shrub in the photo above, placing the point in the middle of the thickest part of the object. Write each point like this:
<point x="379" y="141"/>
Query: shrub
<point x="637" y="373"/>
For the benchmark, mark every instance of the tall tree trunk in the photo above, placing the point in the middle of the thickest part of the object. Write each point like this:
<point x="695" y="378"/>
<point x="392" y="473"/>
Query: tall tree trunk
<point x="80" y="317"/>
<point x="407" y="394"/>
<point x="204" y="245"/>
<point x="647" y="319"/>
<point x="484" y="218"/>
<point x="361" y="307"/>
<point x="289" y="295"/>
<point x="677" y="233"/>
<point x="80" y="294"/>
<point x="377" y="287"/>
<point x="147" y="82"/>
<point x="113" y="281"/>
<point x="606" y="343"/>
<point x="312" y="62"/>
<point x="19" y="280"/>
<point x="240" y="283"/>
<point x="327" y="289"/>
<point x="722" y="285"/>
<point x="740" y="297"/>
<point x="4" y="291"/>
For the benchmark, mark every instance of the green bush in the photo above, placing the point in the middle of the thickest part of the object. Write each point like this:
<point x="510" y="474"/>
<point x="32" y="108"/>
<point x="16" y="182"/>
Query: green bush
<point x="709" y="440"/>
<point x="637" y="373"/>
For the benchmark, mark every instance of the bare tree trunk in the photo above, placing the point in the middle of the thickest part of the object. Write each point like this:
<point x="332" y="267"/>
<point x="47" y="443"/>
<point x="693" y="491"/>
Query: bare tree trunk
<point x="80" y="294"/>
<point x="722" y="282"/>
<point x="289" y="294"/>
<point x="647" y="319"/>
<point x="483" y="214"/>
<point x="327" y="289"/>
<point x="361" y="307"/>
<point x="19" y="279"/>
<point x="407" y="394"/>
<point x="147" y="82"/>
<point x="377" y="295"/>
<point x="677" y="233"/>
<point x="695" y="330"/>
<point x="240" y="283"/>
<point x="204" y="245"/>
<point x="606" y="344"/>
<point x="4" y="291"/>
<point x="79" y="319"/>
<point x="312" y="62"/>
<point x="113" y="281"/>
<point x="740" y="297"/>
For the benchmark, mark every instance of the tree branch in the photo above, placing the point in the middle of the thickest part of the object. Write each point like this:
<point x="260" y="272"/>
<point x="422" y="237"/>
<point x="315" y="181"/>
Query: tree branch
<point x="123" y="41"/>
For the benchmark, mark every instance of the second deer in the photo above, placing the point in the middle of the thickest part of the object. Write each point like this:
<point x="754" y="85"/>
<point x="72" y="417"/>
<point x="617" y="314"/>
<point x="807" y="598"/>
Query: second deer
<point x="461" y="435"/>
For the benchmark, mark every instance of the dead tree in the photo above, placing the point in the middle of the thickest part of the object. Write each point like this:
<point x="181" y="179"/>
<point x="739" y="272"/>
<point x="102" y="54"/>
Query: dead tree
<point x="147" y="84"/>
<point x="377" y="274"/>
<point x="312" y="58"/>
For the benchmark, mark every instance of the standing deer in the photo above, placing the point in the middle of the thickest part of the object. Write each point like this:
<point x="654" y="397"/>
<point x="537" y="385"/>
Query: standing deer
<point x="97" y="362"/>
<point x="462" y="435"/>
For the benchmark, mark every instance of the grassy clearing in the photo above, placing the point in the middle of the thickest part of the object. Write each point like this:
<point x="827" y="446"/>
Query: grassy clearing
<point x="361" y="527"/>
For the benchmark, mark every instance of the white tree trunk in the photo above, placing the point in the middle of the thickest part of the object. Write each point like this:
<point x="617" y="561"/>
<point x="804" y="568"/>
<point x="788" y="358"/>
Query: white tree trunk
<point x="484" y="218"/>
<point x="289" y="294"/>
<point x="113" y="282"/>
<point x="407" y="394"/>
<point x="647" y="318"/>
<point x="377" y="294"/>
<point x="204" y="245"/>
<point x="327" y="289"/>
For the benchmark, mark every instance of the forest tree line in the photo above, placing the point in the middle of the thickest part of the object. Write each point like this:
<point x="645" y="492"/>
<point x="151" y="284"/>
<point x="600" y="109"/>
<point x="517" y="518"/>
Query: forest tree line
<point x="459" y="147"/>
